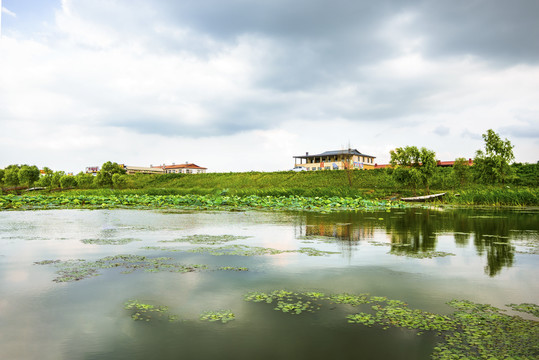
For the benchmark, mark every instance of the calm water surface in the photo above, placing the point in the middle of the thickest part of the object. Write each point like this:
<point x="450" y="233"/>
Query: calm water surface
<point x="494" y="260"/>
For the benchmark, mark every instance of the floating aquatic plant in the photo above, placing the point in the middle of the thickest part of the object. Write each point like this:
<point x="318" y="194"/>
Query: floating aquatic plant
<point x="314" y="252"/>
<point x="484" y="332"/>
<point x="223" y="316"/>
<point x="527" y="308"/>
<point x="207" y="239"/>
<point x="109" y="241"/>
<point x="244" y="250"/>
<point x="147" y="312"/>
<point x="474" y="331"/>
<point x="422" y="255"/>
<point x="294" y="307"/>
<point x="73" y="270"/>
<point x="349" y="299"/>
<point x="233" y="268"/>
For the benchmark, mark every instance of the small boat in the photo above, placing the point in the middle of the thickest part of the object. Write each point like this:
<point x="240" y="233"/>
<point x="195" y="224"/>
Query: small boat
<point x="423" y="198"/>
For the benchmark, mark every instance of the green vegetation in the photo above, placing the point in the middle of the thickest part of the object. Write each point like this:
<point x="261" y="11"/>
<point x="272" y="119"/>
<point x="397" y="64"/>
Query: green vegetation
<point x="492" y="165"/>
<point x="109" y="174"/>
<point x="109" y="241"/>
<point x="74" y="270"/>
<point x="527" y="308"/>
<point x="473" y="331"/>
<point x="413" y="166"/>
<point x="115" y="200"/>
<point x="147" y="312"/>
<point x="374" y="187"/>
<point x="421" y="255"/>
<point x="207" y="239"/>
<point x="233" y="268"/>
<point x="492" y="180"/>
<point x="223" y="316"/>
<point x="244" y="250"/>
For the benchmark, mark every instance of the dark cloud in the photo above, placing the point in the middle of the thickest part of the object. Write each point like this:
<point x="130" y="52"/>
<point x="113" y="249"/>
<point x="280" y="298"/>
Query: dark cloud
<point x="300" y="19"/>
<point x="468" y="134"/>
<point x="530" y="130"/>
<point x="316" y="47"/>
<point x="498" y="31"/>
<point x="442" y="130"/>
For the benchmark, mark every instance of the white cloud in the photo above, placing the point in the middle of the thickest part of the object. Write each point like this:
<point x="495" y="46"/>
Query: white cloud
<point x="8" y="12"/>
<point x="114" y="81"/>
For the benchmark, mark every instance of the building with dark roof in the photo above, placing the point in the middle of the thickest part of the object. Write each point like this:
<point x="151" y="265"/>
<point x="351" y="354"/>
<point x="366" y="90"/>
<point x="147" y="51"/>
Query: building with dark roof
<point x="335" y="160"/>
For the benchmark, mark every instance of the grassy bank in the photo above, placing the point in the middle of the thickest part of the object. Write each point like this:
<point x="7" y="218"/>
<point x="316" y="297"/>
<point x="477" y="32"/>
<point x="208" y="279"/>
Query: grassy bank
<point x="373" y="185"/>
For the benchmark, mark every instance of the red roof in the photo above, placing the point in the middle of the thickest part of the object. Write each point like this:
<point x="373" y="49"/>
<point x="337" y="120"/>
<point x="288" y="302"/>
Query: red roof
<point x="452" y="163"/>
<point x="183" y="166"/>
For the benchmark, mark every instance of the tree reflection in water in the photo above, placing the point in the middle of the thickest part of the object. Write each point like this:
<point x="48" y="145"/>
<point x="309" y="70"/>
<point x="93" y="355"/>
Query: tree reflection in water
<point x="495" y="232"/>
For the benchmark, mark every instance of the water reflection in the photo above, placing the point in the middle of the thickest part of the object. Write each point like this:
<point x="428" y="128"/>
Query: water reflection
<point x="495" y="234"/>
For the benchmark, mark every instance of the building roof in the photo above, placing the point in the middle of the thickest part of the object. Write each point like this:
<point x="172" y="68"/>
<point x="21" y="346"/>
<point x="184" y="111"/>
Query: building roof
<point x="334" y="153"/>
<point x="452" y="163"/>
<point x="184" y="166"/>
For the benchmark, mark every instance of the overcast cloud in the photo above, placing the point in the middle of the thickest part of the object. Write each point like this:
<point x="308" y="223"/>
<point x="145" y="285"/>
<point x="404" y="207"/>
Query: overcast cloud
<point x="238" y="85"/>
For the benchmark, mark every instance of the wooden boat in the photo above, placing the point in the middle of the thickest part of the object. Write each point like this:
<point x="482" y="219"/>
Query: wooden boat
<point x="423" y="198"/>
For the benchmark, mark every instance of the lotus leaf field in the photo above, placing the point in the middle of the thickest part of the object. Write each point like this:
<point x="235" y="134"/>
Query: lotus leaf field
<point x="66" y="201"/>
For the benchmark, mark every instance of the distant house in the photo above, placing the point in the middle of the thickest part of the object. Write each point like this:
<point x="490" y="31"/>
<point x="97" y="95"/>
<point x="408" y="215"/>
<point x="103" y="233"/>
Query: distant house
<point x="183" y="169"/>
<point x="92" y="170"/>
<point x="335" y="160"/>
<point x="130" y="170"/>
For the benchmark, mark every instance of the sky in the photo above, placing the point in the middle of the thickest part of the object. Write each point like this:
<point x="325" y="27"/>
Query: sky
<point x="243" y="85"/>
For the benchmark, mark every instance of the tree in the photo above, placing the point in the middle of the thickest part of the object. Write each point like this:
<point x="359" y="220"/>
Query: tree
<point x="493" y="165"/>
<point x="119" y="181"/>
<point x="67" y="181"/>
<point x="11" y="175"/>
<point x="413" y="166"/>
<point x="104" y="176"/>
<point x="84" y="180"/>
<point x="28" y="175"/>
<point x="461" y="170"/>
<point x="55" y="179"/>
<point x="2" y="177"/>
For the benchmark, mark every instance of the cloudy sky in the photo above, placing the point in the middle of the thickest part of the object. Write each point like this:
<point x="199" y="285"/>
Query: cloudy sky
<point x="239" y="85"/>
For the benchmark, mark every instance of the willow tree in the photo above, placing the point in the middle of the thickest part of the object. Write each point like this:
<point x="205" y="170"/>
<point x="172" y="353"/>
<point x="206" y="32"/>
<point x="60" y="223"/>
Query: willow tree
<point x="413" y="167"/>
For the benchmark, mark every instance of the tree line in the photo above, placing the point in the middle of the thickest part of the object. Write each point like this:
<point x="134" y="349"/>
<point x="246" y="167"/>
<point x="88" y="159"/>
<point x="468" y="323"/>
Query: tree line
<point x="110" y="175"/>
<point x="417" y="167"/>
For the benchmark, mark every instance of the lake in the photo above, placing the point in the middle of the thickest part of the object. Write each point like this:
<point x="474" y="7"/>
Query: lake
<point x="67" y="275"/>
